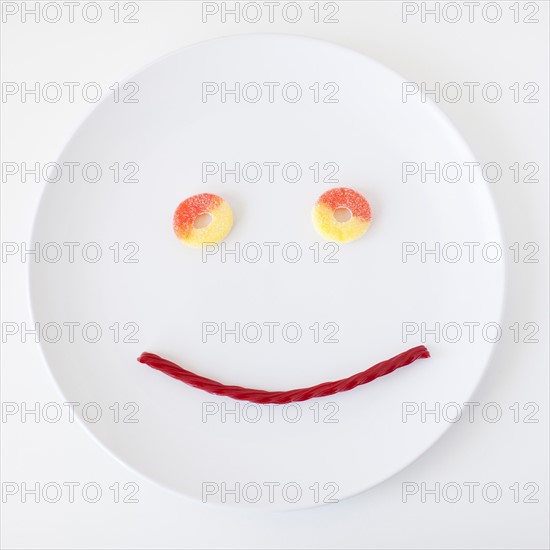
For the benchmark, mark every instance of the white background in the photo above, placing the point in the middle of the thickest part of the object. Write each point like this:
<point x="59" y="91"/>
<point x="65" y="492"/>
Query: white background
<point x="504" y="452"/>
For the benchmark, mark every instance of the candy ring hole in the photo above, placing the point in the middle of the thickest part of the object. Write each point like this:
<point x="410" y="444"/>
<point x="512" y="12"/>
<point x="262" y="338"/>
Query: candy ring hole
<point x="342" y="214"/>
<point x="203" y="220"/>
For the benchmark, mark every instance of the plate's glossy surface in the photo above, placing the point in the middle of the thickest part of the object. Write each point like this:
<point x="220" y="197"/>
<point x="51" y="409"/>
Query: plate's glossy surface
<point x="178" y="133"/>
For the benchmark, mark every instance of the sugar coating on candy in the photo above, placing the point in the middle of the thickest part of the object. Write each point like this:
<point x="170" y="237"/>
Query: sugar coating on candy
<point x="191" y="208"/>
<point x="343" y="197"/>
<point x="332" y="229"/>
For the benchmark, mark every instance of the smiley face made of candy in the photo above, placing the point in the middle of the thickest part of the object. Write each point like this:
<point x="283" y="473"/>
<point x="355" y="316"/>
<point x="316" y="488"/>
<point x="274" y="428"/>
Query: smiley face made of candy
<point x="331" y="225"/>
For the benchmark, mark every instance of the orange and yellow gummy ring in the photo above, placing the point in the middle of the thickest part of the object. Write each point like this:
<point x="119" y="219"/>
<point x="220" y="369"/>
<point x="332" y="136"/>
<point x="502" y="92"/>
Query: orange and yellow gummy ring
<point x="191" y="209"/>
<point x="337" y="201"/>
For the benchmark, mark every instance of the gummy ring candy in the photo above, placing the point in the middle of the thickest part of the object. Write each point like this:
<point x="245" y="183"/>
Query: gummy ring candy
<point x="341" y="215"/>
<point x="193" y="214"/>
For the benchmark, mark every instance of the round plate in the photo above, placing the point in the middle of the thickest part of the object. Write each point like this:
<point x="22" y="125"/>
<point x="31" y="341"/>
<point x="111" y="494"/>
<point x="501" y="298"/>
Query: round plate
<point x="304" y="311"/>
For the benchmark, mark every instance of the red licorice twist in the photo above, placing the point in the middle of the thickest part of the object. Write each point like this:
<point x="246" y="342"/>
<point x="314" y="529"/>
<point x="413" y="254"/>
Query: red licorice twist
<point x="289" y="396"/>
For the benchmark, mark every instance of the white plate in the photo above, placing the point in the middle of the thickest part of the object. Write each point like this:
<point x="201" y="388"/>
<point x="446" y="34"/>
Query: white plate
<point x="171" y="291"/>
